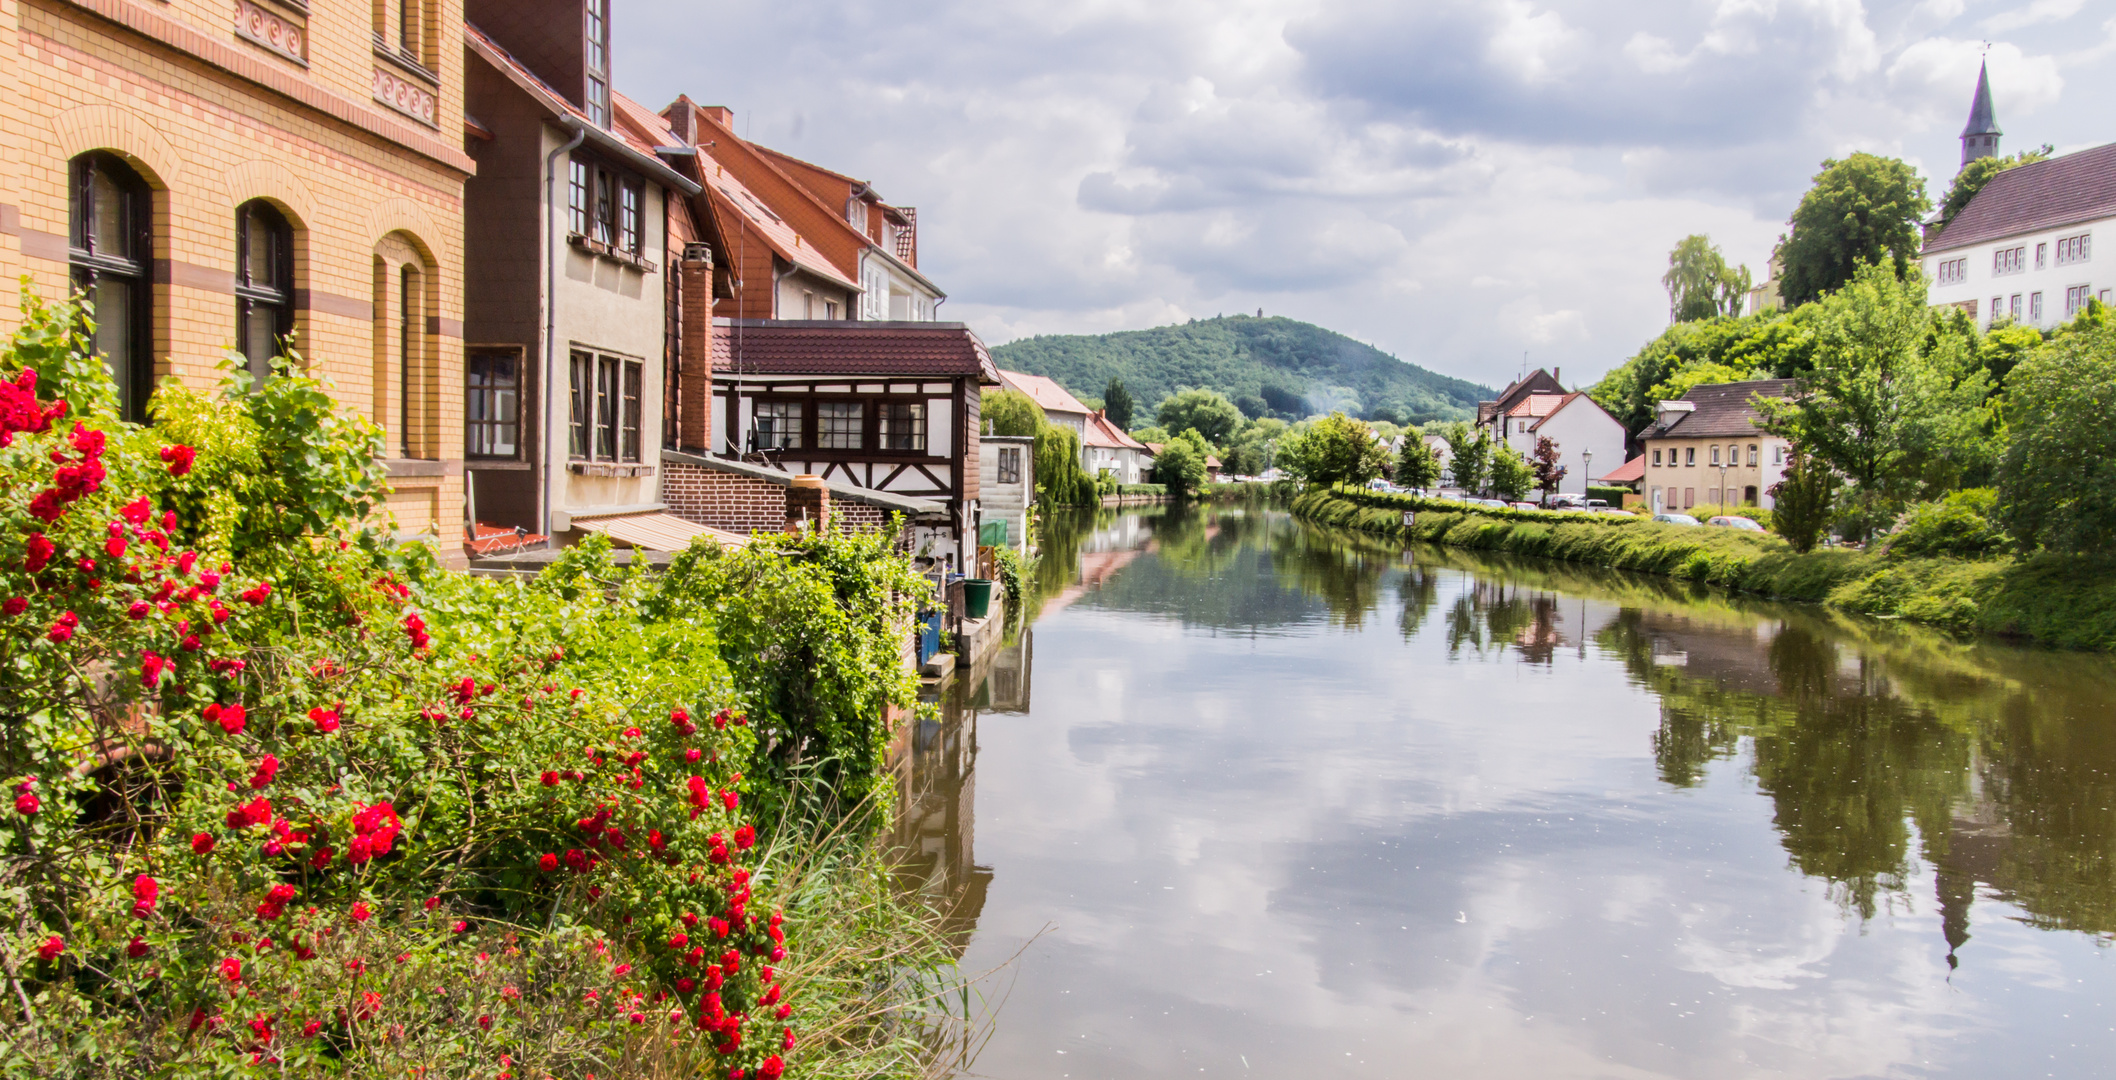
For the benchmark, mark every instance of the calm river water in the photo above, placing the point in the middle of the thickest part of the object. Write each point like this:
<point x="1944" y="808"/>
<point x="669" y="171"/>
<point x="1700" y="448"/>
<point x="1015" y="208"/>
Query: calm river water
<point x="1288" y="802"/>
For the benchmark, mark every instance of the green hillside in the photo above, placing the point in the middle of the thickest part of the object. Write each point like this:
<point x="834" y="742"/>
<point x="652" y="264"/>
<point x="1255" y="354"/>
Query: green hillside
<point x="1275" y="366"/>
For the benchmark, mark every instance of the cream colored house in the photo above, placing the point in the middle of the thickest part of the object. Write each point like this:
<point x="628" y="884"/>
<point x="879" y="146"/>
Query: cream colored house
<point x="1707" y="449"/>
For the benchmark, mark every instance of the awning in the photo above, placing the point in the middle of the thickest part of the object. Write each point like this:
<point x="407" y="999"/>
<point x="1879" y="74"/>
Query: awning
<point x="657" y="532"/>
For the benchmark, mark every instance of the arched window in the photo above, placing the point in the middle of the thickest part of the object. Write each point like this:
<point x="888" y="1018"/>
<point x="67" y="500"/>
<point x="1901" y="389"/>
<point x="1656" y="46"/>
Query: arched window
<point x="111" y="249"/>
<point x="264" y="285"/>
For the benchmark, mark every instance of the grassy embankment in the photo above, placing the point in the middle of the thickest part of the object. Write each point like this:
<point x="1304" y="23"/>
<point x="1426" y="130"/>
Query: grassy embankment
<point x="2068" y="602"/>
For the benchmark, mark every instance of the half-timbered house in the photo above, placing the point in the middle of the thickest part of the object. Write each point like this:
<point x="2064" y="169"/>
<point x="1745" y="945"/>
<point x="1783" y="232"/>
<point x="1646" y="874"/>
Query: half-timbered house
<point x="888" y="406"/>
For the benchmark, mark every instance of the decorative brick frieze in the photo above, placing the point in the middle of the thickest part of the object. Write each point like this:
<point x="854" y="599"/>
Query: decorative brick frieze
<point x="280" y="33"/>
<point x="406" y="97"/>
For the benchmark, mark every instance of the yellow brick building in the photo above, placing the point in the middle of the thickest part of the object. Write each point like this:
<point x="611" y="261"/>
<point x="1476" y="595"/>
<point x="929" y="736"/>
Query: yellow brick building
<point x="225" y="175"/>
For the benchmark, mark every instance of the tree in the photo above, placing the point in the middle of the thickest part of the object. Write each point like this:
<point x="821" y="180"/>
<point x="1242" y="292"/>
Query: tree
<point x="2057" y="482"/>
<point x="1979" y="172"/>
<point x="1768" y="344"/>
<point x="1060" y="480"/>
<point x="1335" y="449"/>
<point x="1864" y="209"/>
<point x="1256" y="448"/>
<point x="1207" y="412"/>
<point x="1468" y="455"/>
<point x="1180" y="466"/>
<point x="1892" y="415"/>
<point x="1801" y="501"/>
<point x="1548" y="472"/>
<point x="1700" y="284"/>
<point x="1511" y="476"/>
<point x="1117" y="404"/>
<point x="1011" y="412"/>
<point x="1416" y="466"/>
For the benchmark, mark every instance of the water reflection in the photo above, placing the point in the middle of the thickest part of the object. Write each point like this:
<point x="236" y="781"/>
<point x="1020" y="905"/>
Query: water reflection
<point x="1294" y="795"/>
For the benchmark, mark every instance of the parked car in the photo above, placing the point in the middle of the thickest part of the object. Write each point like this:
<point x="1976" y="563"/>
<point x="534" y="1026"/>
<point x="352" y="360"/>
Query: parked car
<point x="1597" y="504"/>
<point x="1566" y="502"/>
<point x="1675" y="519"/>
<point x="1378" y="484"/>
<point x="1730" y="521"/>
<point x="1491" y="504"/>
<point x="1524" y="506"/>
<point x="1613" y="510"/>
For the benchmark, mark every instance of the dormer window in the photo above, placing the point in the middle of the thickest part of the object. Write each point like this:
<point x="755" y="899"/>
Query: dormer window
<point x="856" y="213"/>
<point x="596" y="100"/>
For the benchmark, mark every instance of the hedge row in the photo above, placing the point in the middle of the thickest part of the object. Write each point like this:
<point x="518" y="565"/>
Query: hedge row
<point x="2064" y="601"/>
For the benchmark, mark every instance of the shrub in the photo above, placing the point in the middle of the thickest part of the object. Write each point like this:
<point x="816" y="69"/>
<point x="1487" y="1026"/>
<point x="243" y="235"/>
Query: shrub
<point x="287" y="798"/>
<point x="1959" y="525"/>
<point x="2057" y="481"/>
<point x="1802" y="499"/>
<point x="1180" y="465"/>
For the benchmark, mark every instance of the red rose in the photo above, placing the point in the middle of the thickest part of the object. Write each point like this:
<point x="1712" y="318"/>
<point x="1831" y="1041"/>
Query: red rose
<point x="115" y="547"/>
<point x="745" y="838"/>
<point x="137" y="947"/>
<point x="145" y="891"/>
<point x="361" y="912"/>
<point x="267" y="770"/>
<point x="231" y="969"/>
<point x="52" y="947"/>
<point x="547" y="863"/>
<point x="179" y="458"/>
<point x="201" y="843"/>
<point x="326" y="720"/>
<point x="432" y="902"/>
<point x="462" y="927"/>
<point x="14" y="605"/>
<point x="27" y="804"/>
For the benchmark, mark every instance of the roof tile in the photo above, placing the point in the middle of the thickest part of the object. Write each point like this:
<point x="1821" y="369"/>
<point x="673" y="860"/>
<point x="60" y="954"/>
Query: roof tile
<point x="847" y="347"/>
<point x="2051" y="194"/>
<point x="1724" y="410"/>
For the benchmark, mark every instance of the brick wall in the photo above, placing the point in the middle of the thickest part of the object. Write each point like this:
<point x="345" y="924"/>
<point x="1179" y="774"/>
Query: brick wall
<point x="738" y="503"/>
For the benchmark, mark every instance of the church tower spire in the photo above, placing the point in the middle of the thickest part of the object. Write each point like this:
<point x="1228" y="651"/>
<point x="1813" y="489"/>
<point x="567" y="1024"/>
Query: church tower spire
<point x="1980" y="135"/>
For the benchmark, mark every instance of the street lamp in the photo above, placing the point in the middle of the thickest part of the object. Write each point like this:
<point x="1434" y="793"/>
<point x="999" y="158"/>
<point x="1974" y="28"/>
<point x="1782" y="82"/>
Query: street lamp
<point x="1586" y="471"/>
<point x="1723" y="484"/>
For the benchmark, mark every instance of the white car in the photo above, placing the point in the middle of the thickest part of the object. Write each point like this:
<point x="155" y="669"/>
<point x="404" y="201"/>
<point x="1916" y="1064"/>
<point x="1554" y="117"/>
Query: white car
<point x="1675" y="519"/>
<point x="1731" y="521"/>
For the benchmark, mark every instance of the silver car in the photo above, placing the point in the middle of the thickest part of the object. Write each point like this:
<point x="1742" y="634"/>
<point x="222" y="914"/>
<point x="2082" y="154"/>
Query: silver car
<point x="1675" y="519"/>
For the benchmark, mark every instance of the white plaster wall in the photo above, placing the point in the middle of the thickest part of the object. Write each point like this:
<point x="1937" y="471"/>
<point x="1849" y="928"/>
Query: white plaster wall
<point x="2050" y="279"/>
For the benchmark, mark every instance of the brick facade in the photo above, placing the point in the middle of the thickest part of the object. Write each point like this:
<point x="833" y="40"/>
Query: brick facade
<point x="212" y="111"/>
<point x="745" y="504"/>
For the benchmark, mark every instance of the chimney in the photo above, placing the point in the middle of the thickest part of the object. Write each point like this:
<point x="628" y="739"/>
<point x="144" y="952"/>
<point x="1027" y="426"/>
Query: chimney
<point x="721" y="115"/>
<point x="807" y="500"/>
<point x="694" y="379"/>
<point x="683" y="119"/>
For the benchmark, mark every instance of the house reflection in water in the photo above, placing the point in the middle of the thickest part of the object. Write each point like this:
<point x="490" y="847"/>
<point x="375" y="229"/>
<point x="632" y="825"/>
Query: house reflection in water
<point x="937" y="771"/>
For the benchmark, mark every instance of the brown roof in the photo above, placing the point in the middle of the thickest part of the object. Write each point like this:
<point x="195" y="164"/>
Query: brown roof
<point x="2044" y="195"/>
<point x="1044" y="391"/>
<point x="1724" y="410"/>
<point x="846" y="347"/>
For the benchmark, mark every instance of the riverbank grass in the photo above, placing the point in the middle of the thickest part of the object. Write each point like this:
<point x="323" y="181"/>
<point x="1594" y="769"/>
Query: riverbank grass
<point x="2068" y="602"/>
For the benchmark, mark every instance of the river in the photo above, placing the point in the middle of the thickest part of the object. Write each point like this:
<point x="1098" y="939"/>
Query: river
<point x="1254" y="798"/>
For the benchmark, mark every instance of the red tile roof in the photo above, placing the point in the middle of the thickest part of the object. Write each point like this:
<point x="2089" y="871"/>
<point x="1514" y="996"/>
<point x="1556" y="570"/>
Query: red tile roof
<point x="2049" y="194"/>
<point x="732" y="195"/>
<point x="846" y="347"/>
<point x="1629" y="472"/>
<point x="1100" y="432"/>
<point x="1537" y="405"/>
<point x="1045" y="392"/>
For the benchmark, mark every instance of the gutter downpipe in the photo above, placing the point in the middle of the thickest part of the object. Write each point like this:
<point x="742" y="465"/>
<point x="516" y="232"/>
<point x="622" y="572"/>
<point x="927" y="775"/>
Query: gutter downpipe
<point x="552" y="256"/>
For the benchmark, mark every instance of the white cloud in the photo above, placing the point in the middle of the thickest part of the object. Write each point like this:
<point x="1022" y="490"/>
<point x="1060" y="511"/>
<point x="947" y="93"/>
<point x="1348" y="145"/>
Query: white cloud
<point x="2041" y="11"/>
<point x="1099" y="166"/>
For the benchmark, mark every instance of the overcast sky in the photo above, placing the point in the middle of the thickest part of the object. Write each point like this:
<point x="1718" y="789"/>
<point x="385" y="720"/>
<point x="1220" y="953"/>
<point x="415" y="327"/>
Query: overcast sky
<point x="1456" y="181"/>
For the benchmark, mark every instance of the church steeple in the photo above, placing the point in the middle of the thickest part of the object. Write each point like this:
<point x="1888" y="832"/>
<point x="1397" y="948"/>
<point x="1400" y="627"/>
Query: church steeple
<point x="1980" y="135"/>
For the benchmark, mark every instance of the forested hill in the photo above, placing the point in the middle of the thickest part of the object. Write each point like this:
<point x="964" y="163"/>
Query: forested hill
<point x="1276" y="366"/>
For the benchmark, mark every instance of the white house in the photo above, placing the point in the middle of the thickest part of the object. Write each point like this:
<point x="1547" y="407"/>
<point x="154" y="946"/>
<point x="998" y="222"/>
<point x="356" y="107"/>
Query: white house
<point x="1106" y="446"/>
<point x="1583" y="431"/>
<point x="2023" y="249"/>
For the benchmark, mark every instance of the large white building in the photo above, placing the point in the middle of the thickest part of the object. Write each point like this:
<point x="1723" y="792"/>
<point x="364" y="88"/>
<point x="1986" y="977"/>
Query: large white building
<point x="2023" y="249"/>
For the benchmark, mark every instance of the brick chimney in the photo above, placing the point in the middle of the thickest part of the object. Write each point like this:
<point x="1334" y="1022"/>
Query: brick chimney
<point x="721" y="114"/>
<point x="694" y="382"/>
<point x="808" y="500"/>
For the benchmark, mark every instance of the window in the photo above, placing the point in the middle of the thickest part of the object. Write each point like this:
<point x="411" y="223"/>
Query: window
<point x="1733" y="454"/>
<point x="606" y="206"/>
<point x="409" y="352"/>
<point x="830" y="309"/>
<point x="264" y="277"/>
<point x="1715" y="455"/>
<point x="1778" y="455"/>
<point x="492" y="403"/>
<point x="110" y="250"/>
<point x="2042" y="255"/>
<point x="903" y="425"/>
<point x="1711" y="496"/>
<point x="808" y="305"/>
<point x="2076" y="299"/>
<point x="841" y="425"/>
<point x="1952" y="271"/>
<point x="2035" y="307"/>
<point x="777" y="426"/>
<point x="2075" y="249"/>
<point x="1691" y="455"/>
<point x="1752" y="455"/>
<point x="1689" y="498"/>
<point x="2009" y="260"/>
<point x="2013" y="307"/>
<point x="1998" y="307"/>
<point x="628" y="436"/>
<point x="408" y="29"/>
<point x="1656" y="457"/>
<point x="1010" y="464"/>
<point x="596" y="31"/>
<point x="606" y="407"/>
<point x="583" y="415"/>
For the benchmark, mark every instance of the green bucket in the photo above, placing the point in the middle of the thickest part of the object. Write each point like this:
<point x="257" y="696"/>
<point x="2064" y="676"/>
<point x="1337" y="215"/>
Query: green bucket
<point x="977" y="597"/>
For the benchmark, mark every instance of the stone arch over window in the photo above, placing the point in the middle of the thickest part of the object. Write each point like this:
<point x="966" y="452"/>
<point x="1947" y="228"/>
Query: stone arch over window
<point x="406" y="346"/>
